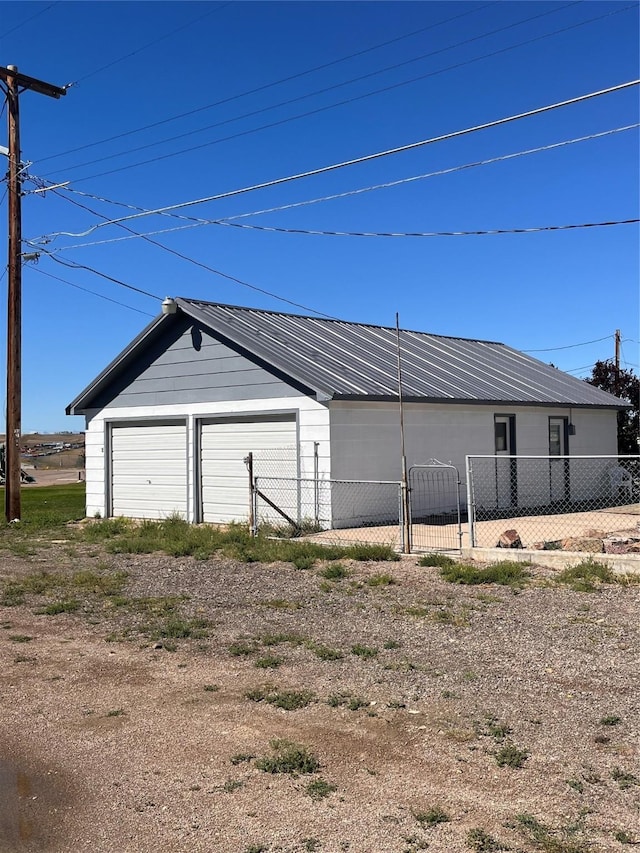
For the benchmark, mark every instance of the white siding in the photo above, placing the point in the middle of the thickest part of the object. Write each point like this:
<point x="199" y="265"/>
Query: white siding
<point x="148" y="470"/>
<point x="365" y="438"/>
<point x="313" y="426"/>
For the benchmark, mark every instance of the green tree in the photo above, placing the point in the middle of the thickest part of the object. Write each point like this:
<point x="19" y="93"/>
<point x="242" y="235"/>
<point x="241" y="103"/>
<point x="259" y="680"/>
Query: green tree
<point x="621" y="383"/>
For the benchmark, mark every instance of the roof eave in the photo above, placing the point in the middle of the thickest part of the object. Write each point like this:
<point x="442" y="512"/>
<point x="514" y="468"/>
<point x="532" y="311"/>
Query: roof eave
<point x="80" y="405"/>
<point x="407" y="398"/>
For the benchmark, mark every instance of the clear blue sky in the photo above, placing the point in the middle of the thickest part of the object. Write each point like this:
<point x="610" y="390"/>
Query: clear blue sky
<point x="476" y="62"/>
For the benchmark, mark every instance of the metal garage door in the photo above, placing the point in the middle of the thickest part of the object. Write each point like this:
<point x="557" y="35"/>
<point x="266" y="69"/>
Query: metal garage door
<point x="149" y="469"/>
<point x="224" y="444"/>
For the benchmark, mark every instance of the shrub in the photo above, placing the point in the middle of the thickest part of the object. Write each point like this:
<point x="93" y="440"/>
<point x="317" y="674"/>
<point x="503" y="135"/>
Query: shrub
<point x="506" y="573"/>
<point x="586" y="576"/>
<point x="288" y="757"/>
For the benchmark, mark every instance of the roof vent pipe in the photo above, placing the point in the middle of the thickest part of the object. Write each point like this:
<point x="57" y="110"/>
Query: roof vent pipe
<point x="169" y="305"/>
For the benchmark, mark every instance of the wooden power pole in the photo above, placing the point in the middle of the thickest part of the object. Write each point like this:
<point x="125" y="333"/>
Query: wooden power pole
<point x="617" y="363"/>
<point x="15" y="84"/>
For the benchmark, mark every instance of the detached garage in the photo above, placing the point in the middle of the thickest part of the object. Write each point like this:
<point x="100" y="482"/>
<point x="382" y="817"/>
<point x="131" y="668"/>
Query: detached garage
<point x="171" y="420"/>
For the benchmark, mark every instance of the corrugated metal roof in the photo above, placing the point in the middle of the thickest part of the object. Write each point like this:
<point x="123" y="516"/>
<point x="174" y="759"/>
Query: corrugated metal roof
<point x="342" y="359"/>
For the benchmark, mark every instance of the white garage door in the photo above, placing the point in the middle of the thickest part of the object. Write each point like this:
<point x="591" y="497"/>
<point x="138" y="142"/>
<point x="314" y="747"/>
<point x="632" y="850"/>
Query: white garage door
<point x="224" y="444"/>
<point x="149" y="469"/>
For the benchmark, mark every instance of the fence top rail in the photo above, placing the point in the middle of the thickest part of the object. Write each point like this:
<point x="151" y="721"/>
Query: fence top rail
<point x="519" y="456"/>
<point x="322" y="480"/>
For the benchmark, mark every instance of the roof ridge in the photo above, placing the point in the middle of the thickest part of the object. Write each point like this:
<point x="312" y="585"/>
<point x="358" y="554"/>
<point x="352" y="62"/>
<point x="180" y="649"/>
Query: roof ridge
<point x="338" y="320"/>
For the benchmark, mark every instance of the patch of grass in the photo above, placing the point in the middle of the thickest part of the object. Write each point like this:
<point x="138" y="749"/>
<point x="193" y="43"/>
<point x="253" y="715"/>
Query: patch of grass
<point x="623" y="837"/>
<point x="505" y="573"/>
<point x="576" y="785"/>
<point x="319" y="789"/>
<point x="324" y="652"/>
<point x="13" y="595"/>
<point x="69" y="605"/>
<point x="20" y="638"/>
<point x="179" y="628"/>
<point x="256" y="848"/>
<point x="510" y="755"/>
<point x="382" y="579"/>
<point x="366" y="652"/>
<point x="625" y="780"/>
<point x="269" y="662"/>
<point x="432" y="816"/>
<point x="344" y="699"/>
<point x="241" y="648"/>
<point x="586" y="576"/>
<point x="550" y="840"/>
<point x="287" y="700"/>
<point x="482" y="842"/>
<point x="417" y="610"/>
<point x="241" y="757"/>
<point x="492" y="727"/>
<point x="45" y="510"/>
<point x="610" y="720"/>
<point x="391" y="644"/>
<point x="232" y="785"/>
<point x="176" y="537"/>
<point x="446" y="616"/>
<point x="440" y="560"/>
<point x="279" y="639"/>
<point x="115" y="712"/>
<point x="211" y="688"/>
<point x="288" y="757"/>
<point x="335" y="572"/>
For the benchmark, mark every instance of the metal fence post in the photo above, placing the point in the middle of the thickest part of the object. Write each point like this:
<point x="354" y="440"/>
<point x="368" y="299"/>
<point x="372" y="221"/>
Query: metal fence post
<point x="471" y="510"/>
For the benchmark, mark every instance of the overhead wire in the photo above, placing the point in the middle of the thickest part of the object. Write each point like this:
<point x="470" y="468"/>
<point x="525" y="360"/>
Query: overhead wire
<point x="478" y="233"/>
<point x="206" y="14"/>
<point x="73" y="265"/>
<point x="93" y="292"/>
<point x="570" y="346"/>
<point x="28" y="20"/>
<point x="265" y="86"/>
<point x="202" y="265"/>
<point x="347" y="101"/>
<point x="354" y="161"/>
<point x="198" y="222"/>
<point x="313" y="94"/>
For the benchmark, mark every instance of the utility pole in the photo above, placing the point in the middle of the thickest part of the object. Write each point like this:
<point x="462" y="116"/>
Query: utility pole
<point x="16" y="83"/>
<point x="617" y="364"/>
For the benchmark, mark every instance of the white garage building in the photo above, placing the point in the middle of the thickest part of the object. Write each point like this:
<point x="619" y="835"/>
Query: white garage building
<point x="172" y="418"/>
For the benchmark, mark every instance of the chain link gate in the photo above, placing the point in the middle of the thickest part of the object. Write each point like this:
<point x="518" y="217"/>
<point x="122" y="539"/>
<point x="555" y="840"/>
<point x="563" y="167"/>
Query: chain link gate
<point x="434" y="507"/>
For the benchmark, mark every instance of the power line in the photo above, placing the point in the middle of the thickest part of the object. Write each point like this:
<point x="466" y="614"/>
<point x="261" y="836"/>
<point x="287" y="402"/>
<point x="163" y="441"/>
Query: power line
<point x="27" y="20"/>
<point x="532" y="230"/>
<point x="198" y="264"/>
<point x="355" y="161"/>
<point x="197" y="222"/>
<point x="313" y="94"/>
<point x="265" y="86"/>
<point x="74" y="266"/>
<point x="93" y="292"/>
<point x="145" y="46"/>
<point x="570" y="346"/>
<point x="347" y="101"/>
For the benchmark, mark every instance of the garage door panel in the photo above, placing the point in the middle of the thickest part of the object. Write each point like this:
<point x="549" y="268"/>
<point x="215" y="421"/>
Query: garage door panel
<point x="149" y="470"/>
<point x="224" y="476"/>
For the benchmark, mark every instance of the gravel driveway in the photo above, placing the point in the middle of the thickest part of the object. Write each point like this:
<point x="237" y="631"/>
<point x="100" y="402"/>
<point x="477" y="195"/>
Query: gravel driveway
<point x="442" y="717"/>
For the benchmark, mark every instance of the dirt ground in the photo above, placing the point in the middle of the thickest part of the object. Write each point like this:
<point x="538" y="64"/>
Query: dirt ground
<point x="113" y="741"/>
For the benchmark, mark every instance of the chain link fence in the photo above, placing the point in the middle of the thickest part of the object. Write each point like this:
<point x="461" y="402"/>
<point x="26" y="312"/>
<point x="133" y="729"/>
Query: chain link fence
<point x="337" y="512"/>
<point x="572" y="503"/>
